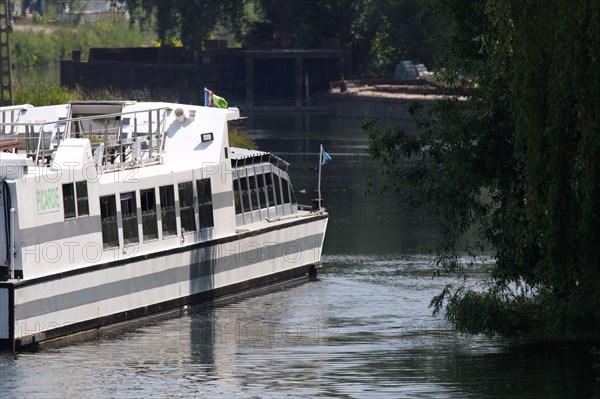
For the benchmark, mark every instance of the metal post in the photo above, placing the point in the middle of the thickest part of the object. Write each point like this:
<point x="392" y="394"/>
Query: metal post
<point x="105" y="154"/>
<point x="320" y="163"/>
<point x="6" y="93"/>
<point x="43" y="143"/>
<point x="12" y="243"/>
<point x="159" y="132"/>
<point x="135" y="130"/>
<point x="150" y="134"/>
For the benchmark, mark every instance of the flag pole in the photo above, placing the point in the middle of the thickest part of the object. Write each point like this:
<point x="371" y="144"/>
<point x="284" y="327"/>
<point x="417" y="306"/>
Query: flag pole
<point x="320" y="163"/>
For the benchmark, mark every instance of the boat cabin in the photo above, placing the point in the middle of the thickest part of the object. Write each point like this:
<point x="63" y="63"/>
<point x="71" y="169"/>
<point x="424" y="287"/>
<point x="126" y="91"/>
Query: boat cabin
<point x="98" y="182"/>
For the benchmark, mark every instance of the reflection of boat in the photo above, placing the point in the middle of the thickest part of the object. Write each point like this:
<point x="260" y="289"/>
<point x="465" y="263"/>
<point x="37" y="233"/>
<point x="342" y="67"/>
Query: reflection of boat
<point x="118" y="210"/>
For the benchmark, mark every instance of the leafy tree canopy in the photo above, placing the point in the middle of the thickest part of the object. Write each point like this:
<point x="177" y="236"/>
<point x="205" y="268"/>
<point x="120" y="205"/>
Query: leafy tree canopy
<point x="517" y="158"/>
<point x="378" y="32"/>
<point x="188" y="21"/>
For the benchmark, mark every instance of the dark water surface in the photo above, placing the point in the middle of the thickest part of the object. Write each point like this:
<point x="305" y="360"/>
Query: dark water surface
<point x="363" y="330"/>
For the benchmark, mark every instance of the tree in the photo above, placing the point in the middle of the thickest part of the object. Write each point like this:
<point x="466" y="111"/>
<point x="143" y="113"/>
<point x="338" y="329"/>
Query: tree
<point x="377" y="32"/>
<point x="519" y="159"/>
<point x="189" y="21"/>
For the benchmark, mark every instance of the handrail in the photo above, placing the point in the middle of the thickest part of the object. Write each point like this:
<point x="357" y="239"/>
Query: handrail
<point x="91" y="117"/>
<point x="154" y="149"/>
<point x="37" y="151"/>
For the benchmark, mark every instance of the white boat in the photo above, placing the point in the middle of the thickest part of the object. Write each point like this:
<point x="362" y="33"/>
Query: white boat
<point x="117" y="210"/>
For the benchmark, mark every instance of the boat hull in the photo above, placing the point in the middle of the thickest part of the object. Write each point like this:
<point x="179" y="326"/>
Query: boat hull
<point x="147" y="284"/>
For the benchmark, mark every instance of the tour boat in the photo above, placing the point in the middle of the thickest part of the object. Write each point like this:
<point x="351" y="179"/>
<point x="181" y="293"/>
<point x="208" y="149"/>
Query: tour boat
<point x="118" y="210"/>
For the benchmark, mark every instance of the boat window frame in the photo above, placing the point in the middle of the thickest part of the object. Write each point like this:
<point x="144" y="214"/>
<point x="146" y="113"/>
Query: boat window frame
<point x="237" y="196"/>
<point x="245" y="195"/>
<point x="253" y="192"/>
<point x="205" y="201"/>
<point x="154" y="222"/>
<point x="69" y="202"/>
<point x="76" y="201"/>
<point x="277" y="188"/>
<point x="130" y="239"/>
<point x="187" y="207"/>
<point x="272" y="197"/>
<point x="80" y="198"/>
<point x="168" y="210"/>
<point x="285" y="188"/>
<point x="263" y="195"/>
<point x="114" y="222"/>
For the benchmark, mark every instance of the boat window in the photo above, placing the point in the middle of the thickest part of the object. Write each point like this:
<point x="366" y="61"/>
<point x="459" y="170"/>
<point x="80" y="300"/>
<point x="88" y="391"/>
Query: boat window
<point x="75" y="205"/>
<point x="236" y="196"/>
<point x="260" y="184"/>
<point x="277" y="188"/>
<point x="82" y="198"/>
<point x="108" y="217"/>
<point x="68" y="192"/>
<point x="186" y="206"/>
<point x="167" y="211"/>
<point x="253" y="193"/>
<point x="286" y="190"/>
<point x="269" y="188"/>
<point x="149" y="220"/>
<point x="245" y="195"/>
<point x="129" y="217"/>
<point x="205" y="207"/>
<point x="96" y="128"/>
<point x="292" y="194"/>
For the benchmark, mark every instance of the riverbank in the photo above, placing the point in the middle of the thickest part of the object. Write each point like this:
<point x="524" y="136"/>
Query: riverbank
<point x="383" y="98"/>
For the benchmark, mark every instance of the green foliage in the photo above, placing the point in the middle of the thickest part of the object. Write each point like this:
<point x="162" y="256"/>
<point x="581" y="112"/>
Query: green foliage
<point x="378" y="32"/>
<point x="239" y="137"/>
<point x="190" y="21"/>
<point x="40" y="94"/>
<point x="519" y="158"/>
<point x="42" y="45"/>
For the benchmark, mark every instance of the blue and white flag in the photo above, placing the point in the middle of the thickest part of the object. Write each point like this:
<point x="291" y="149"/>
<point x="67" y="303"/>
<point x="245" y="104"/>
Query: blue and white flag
<point x="325" y="158"/>
<point x="207" y="97"/>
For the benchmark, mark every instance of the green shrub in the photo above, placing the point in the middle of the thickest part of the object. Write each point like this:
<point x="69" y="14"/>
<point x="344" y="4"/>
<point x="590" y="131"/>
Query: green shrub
<point x="239" y="137"/>
<point x="45" y="44"/>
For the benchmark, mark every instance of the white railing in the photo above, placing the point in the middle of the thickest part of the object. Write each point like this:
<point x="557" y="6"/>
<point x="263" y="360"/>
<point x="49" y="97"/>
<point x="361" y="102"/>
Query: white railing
<point x="137" y="143"/>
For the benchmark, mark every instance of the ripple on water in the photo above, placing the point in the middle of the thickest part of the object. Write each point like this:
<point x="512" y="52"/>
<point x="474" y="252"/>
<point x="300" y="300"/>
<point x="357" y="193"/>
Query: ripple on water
<point x="363" y="330"/>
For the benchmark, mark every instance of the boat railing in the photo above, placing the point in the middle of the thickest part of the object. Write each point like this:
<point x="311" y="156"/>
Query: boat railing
<point x="119" y="140"/>
<point x="8" y="117"/>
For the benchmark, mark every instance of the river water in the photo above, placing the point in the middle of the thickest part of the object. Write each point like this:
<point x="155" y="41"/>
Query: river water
<point x="363" y="330"/>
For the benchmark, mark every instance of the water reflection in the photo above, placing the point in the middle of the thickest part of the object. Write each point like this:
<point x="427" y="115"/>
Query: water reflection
<point x="362" y="331"/>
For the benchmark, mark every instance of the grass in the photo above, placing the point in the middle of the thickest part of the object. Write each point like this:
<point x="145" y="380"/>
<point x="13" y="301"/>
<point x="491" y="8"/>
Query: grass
<point x="239" y="137"/>
<point x="39" y="45"/>
<point x="41" y="94"/>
